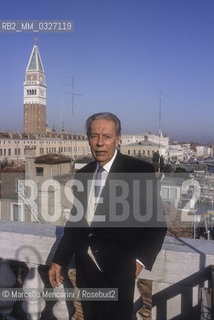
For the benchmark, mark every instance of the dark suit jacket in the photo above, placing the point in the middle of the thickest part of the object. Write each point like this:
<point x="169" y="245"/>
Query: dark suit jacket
<point x="115" y="249"/>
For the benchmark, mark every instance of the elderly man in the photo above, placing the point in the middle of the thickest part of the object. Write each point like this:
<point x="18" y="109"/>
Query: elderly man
<point x="107" y="255"/>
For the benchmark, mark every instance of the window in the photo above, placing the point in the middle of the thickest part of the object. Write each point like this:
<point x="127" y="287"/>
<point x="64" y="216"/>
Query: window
<point x="0" y="152"/>
<point x="169" y="194"/>
<point x="16" y="212"/>
<point x="173" y="194"/>
<point x="128" y="151"/>
<point x="5" y="152"/>
<point x="39" y="171"/>
<point x="165" y="193"/>
<point x="9" y="152"/>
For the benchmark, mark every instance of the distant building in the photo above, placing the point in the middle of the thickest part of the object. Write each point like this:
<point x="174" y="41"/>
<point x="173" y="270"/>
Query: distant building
<point x="175" y="152"/>
<point x="204" y="151"/>
<point x="144" y="145"/>
<point x="187" y="151"/>
<point x="13" y="145"/>
<point x="35" y="94"/>
<point x="10" y="207"/>
<point x="140" y="149"/>
<point x="163" y="141"/>
<point x="210" y="151"/>
<point x="133" y="138"/>
<point x="30" y="193"/>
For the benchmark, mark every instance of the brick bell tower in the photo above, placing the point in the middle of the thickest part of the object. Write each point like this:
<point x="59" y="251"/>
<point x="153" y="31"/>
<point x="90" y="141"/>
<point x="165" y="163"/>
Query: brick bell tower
<point x="35" y="94"/>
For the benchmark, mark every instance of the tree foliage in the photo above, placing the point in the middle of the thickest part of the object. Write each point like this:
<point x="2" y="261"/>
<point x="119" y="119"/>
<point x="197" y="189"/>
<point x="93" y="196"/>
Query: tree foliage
<point x="158" y="161"/>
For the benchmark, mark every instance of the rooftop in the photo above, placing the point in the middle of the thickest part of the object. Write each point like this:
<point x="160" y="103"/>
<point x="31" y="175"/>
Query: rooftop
<point x="52" y="158"/>
<point x="48" y="135"/>
<point x="144" y="143"/>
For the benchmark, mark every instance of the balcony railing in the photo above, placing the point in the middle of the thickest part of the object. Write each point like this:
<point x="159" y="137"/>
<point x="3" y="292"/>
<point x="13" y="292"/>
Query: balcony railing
<point x="180" y="271"/>
<point x="185" y="288"/>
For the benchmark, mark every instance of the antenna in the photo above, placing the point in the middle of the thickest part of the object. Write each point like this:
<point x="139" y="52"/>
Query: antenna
<point x="63" y="127"/>
<point x="160" y="133"/>
<point x="73" y="93"/>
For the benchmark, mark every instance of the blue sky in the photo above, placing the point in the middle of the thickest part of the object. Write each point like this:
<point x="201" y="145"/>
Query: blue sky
<point x="121" y="53"/>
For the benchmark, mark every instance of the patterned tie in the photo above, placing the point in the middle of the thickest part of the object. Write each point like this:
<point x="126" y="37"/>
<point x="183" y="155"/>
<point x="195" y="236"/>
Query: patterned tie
<point x="98" y="181"/>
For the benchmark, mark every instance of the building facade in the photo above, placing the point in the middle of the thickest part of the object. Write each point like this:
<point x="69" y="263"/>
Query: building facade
<point x="175" y="153"/>
<point x="134" y="138"/>
<point x="144" y="149"/>
<point x="204" y="151"/>
<point x="13" y="145"/>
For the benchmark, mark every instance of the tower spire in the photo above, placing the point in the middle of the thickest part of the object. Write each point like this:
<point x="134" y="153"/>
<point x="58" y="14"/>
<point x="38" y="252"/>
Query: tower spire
<point x="35" y="61"/>
<point x="35" y="94"/>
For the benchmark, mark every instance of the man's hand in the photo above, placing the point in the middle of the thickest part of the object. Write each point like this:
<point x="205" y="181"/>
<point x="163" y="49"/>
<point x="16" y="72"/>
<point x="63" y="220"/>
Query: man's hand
<point x="55" y="277"/>
<point x="139" y="268"/>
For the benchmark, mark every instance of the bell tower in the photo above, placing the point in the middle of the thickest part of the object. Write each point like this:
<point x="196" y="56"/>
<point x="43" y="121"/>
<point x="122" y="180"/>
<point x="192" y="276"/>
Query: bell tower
<point x="35" y="94"/>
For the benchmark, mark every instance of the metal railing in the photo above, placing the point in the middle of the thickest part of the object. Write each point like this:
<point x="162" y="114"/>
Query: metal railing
<point x="185" y="289"/>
